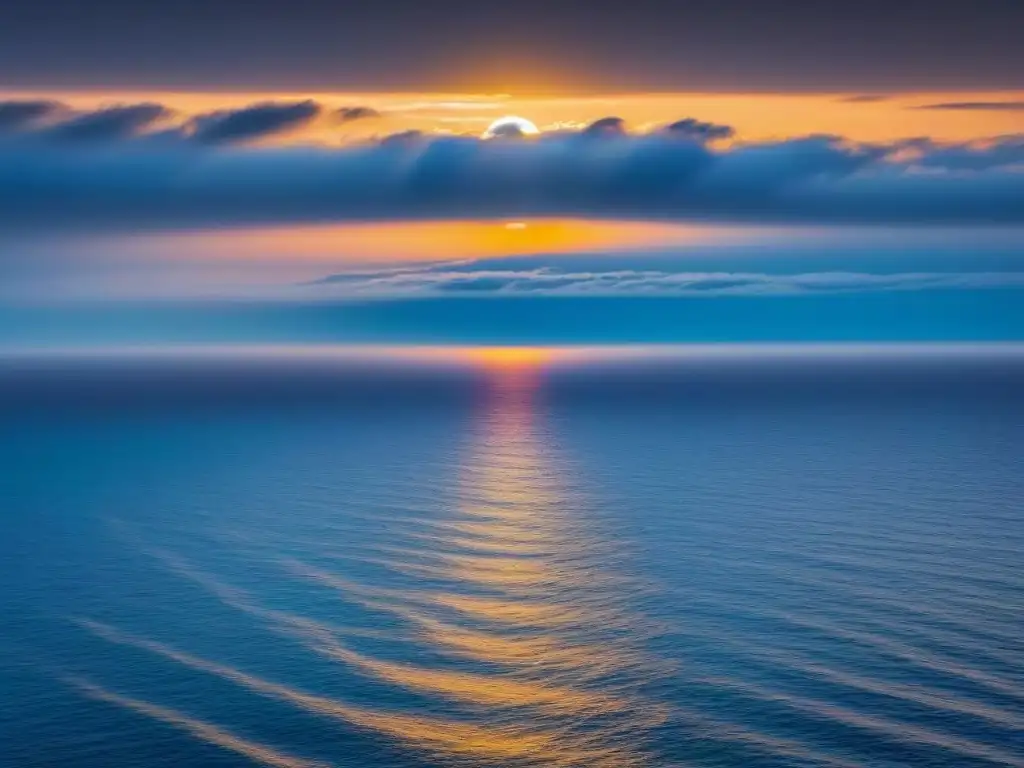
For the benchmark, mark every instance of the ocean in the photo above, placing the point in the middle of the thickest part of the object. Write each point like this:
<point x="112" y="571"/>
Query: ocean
<point x="731" y="556"/>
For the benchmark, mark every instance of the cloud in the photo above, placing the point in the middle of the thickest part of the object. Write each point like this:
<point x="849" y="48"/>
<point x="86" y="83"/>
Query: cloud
<point x="253" y="122"/>
<point x="195" y="175"/>
<point x="606" y="126"/>
<point x="450" y="105"/>
<point x="351" y="114"/>
<point x="622" y="276"/>
<point x="975" y="106"/>
<point x="1000" y="152"/>
<point x="20" y="113"/>
<point x="863" y="98"/>
<point x="507" y="131"/>
<point x="403" y="138"/>
<point x="108" y="124"/>
<point x="699" y="130"/>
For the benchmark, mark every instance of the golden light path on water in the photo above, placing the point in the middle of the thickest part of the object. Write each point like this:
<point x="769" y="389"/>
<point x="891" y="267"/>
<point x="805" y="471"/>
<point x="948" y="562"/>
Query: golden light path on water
<point x="519" y="626"/>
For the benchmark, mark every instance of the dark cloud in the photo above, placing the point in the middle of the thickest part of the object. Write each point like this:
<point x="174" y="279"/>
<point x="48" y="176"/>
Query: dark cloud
<point x="975" y="106"/>
<point x="403" y="138"/>
<point x="253" y="122"/>
<point x="662" y="175"/>
<point x="351" y="114"/>
<point x="20" y="113"/>
<point x="507" y="131"/>
<point x="863" y="98"/>
<point x="108" y="124"/>
<point x="699" y="130"/>
<point x="606" y="126"/>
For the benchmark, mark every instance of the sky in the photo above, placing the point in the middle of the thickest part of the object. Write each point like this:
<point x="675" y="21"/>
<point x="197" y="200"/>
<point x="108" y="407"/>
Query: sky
<point x="524" y="46"/>
<point x="681" y="170"/>
<point x="945" y="115"/>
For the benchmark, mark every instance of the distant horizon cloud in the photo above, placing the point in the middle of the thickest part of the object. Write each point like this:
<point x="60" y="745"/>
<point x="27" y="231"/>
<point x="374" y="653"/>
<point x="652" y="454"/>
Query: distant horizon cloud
<point x="351" y="114"/>
<point x="132" y="166"/>
<point x="864" y="98"/>
<point x="974" y="106"/>
<point x="538" y="276"/>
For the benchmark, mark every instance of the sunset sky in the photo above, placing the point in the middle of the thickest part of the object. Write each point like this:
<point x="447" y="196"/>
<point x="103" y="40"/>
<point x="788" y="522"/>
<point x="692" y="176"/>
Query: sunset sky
<point x="869" y="70"/>
<point x="946" y="115"/>
<point x="343" y="152"/>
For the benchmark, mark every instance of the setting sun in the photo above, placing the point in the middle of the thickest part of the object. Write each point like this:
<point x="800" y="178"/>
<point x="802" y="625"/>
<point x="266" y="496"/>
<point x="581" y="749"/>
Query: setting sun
<point x="510" y="126"/>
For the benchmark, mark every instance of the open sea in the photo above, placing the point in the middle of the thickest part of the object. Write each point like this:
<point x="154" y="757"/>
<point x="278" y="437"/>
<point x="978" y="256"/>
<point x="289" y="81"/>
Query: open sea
<point x="423" y="558"/>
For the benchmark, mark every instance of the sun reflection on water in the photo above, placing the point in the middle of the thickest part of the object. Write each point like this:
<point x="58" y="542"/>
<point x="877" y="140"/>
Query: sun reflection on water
<point x="521" y="590"/>
<point x="515" y="623"/>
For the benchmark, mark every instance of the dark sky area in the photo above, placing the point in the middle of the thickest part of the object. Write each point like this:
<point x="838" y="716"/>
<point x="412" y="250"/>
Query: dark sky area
<point x="513" y="45"/>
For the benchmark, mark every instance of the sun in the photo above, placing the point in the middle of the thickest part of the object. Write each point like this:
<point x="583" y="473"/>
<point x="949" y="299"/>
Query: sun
<point x="510" y="126"/>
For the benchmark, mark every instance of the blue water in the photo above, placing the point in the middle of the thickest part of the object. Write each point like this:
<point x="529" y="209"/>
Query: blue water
<point x="703" y="559"/>
<point x="962" y="315"/>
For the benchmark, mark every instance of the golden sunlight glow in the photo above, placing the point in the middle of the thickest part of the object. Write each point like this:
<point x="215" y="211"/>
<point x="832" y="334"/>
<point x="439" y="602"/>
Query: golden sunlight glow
<point x="407" y="241"/>
<point x="510" y="125"/>
<point x="504" y="358"/>
<point x="756" y="116"/>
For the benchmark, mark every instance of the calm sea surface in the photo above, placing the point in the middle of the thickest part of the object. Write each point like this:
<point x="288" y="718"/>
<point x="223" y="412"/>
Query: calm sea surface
<point x="697" y="558"/>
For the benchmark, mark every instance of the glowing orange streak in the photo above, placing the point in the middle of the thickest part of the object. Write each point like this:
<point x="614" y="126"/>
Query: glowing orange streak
<point x="500" y="691"/>
<point x="501" y="742"/>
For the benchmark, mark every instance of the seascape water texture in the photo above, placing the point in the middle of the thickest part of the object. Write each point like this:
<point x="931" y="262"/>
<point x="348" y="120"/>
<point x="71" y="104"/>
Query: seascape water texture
<point x="759" y="557"/>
